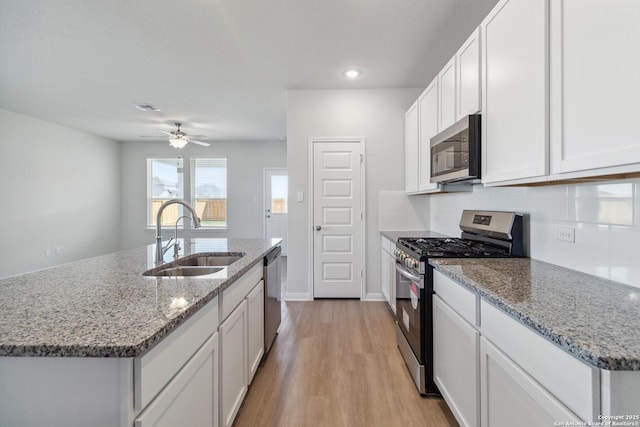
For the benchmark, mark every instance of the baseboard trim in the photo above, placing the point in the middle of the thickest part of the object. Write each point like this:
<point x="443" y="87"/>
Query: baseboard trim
<point x="298" y="296"/>
<point x="374" y="296"/>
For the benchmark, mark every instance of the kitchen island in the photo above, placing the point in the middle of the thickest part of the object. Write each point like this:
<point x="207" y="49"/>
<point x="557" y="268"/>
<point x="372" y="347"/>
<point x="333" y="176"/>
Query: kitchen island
<point x="76" y="339"/>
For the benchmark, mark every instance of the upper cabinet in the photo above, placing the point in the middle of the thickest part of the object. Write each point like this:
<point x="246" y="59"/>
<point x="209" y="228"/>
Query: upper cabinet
<point x="514" y="88"/>
<point x="447" y="88"/>
<point x="453" y="94"/>
<point x="428" y="126"/>
<point x="411" y="149"/>
<point x="594" y="84"/>
<point x="468" y="77"/>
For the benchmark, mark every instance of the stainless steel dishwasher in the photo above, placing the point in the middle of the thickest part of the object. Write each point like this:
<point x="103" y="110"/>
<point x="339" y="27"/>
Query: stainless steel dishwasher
<point x="273" y="298"/>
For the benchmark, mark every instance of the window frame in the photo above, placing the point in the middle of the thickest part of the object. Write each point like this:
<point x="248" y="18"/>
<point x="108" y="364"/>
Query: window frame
<point x="150" y="199"/>
<point x="192" y="191"/>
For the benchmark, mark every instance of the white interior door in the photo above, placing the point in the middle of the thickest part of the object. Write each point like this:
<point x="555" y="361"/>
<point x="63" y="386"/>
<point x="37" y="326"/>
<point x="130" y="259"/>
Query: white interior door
<point x="337" y="219"/>
<point x="276" y="182"/>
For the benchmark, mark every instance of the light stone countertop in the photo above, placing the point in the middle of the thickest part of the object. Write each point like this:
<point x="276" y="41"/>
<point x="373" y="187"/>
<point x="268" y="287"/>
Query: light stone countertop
<point x="596" y="320"/>
<point x="394" y="235"/>
<point x="104" y="307"/>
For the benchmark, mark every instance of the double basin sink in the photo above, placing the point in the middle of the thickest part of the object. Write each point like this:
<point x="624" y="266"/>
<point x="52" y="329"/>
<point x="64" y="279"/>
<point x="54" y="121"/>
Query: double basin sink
<point x="199" y="265"/>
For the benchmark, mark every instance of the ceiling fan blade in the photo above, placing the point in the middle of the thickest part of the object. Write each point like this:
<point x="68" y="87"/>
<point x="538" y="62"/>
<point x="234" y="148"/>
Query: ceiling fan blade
<point x="151" y="136"/>
<point x="165" y="132"/>
<point x="199" y="136"/>
<point x="205" y="144"/>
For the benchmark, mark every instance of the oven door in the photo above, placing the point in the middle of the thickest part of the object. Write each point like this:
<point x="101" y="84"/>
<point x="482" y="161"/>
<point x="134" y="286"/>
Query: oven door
<point x="410" y="300"/>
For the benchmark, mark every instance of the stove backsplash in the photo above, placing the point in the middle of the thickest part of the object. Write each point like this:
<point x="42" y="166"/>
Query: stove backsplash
<point x="605" y="217"/>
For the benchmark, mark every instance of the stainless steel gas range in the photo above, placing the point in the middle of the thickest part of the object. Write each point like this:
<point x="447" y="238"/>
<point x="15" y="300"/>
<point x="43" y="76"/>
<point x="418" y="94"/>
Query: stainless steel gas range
<point x="485" y="234"/>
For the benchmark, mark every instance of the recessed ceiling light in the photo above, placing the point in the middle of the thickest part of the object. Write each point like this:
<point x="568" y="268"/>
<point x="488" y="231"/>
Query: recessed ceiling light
<point x="352" y="74"/>
<point x="147" y="107"/>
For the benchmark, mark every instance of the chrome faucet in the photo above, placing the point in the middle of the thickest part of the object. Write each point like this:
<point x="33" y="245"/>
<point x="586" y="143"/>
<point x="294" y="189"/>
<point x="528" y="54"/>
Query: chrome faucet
<point x="160" y="251"/>
<point x="176" y="243"/>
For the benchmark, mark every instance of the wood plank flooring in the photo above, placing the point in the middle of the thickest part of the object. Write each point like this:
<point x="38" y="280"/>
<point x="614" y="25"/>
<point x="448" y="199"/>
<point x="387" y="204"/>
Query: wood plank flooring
<point x="335" y="363"/>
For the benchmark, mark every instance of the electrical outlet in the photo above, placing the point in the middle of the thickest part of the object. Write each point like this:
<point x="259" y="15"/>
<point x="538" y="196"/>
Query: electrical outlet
<point x="58" y="251"/>
<point x="47" y="252"/>
<point x="566" y="234"/>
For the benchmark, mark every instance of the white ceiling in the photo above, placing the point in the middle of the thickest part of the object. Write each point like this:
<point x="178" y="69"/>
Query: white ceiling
<point x="221" y="66"/>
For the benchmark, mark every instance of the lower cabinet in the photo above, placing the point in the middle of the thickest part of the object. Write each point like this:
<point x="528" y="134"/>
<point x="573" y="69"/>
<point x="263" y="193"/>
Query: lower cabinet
<point x="456" y="346"/>
<point x="511" y="397"/>
<point x="388" y="272"/>
<point x="233" y="366"/>
<point x="255" y="326"/>
<point x="191" y="397"/>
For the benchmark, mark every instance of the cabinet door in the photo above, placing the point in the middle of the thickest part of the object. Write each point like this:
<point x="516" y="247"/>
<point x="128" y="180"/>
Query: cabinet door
<point x="233" y="366"/>
<point x="468" y="77"/>
<point x="595" y="86"/>
<point x="392" y="278"/>
<point x="385" y="275"/>
<point x="255" y="320"/>
<point x="411" y="149"/>
<point x="428" y="125"/>
<point x="511" y="397"/>
<point x="191" y="397"/>
<point x="455" y="362"/>
<point x="447" y="88"/>
<point x="515" y="101"/>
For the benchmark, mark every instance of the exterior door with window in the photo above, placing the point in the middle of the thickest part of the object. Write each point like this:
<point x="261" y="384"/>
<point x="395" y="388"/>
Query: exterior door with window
<point x="276" y="181"/>
<point x="337" y="218"/>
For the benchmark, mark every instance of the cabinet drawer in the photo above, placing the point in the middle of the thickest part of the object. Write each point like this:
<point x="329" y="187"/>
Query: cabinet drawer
<point x="238" y="291"/>
<point x="386" y="244"/>
<point x="574" y="383"/>
<point x="462" y="300"/>
<point x="154" y="370"/>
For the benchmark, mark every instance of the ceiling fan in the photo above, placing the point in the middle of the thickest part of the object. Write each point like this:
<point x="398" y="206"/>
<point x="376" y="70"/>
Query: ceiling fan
<point x="178" y="139"/>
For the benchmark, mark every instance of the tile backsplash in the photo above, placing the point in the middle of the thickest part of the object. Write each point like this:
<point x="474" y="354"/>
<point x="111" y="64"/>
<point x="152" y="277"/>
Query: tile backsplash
<point x="605" y="217"/>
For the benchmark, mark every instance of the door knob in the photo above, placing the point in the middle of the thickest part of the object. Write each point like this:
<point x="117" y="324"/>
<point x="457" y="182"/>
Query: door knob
<point x="318" y="228"/>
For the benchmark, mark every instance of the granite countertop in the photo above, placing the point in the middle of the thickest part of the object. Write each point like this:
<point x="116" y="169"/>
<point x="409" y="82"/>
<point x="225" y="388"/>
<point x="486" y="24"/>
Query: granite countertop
<point x="394" y="235"/>
<point x="596" y="320"/>
<point x="104" y="307"/>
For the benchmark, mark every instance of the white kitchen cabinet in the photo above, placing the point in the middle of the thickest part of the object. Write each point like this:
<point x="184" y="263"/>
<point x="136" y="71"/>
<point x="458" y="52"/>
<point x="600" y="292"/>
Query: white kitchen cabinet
<point x="455" y="354"/>
<point x="511" y="397"/>
<point x="428" y="127"/>
<point x="594" y="86"/>
<point x="468" y="77"/>
<point x="233" y="363"/>
<point x="411" y="149"/>
<point x="447" y="95"/>
<point x="255" y="322"/>
<point x="572" y="382"/>
<point x="191" y="397"/>
<point x="514" y="91"/>
<point x="388" y="272"/>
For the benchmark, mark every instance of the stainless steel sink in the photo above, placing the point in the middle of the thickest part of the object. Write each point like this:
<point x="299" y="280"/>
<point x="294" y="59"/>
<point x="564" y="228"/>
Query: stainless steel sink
<point x="180" y="271"/>
<point x="210" y="260"/>
<point x="198" y="265"/>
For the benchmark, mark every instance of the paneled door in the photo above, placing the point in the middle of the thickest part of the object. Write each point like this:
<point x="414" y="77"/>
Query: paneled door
<point x="276" y="205"/>
<point x="337" y="218"/>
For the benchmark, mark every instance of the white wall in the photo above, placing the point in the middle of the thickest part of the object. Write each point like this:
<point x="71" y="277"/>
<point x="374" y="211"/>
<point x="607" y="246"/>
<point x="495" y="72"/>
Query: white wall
<point x="245" y="162"/>
<point x="60" y="189"/>
<point x="605" y="216"/>
<point x="377" y="115"/>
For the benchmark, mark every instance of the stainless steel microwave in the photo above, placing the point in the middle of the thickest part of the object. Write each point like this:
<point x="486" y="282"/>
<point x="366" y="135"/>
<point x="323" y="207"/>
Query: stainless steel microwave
<point x="455" y="152"/>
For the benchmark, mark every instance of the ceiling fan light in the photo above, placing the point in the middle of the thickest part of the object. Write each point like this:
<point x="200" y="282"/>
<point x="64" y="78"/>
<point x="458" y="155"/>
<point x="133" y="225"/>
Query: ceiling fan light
<point x="177" y="142"/>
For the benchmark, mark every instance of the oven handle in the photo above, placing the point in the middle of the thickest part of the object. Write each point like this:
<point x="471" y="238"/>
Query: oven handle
<point x="406" y="273"/>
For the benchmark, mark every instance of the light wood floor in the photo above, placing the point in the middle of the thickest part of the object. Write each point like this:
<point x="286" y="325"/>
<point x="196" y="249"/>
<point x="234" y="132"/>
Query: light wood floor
<point x="335" y="363"/>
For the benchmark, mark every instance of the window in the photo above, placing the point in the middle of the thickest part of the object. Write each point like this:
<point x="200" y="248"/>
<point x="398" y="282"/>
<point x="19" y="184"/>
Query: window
<point x="209" y="190"/>
<point x="165" y="181"/>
